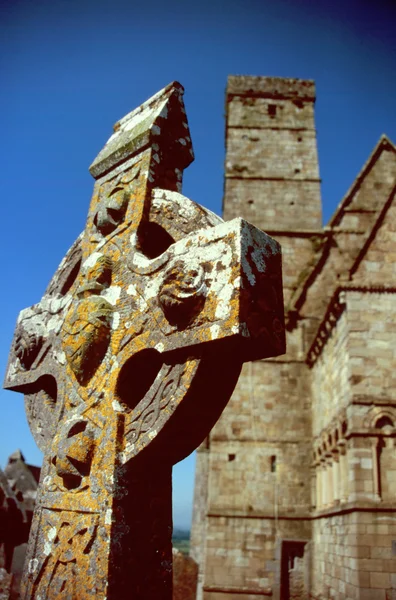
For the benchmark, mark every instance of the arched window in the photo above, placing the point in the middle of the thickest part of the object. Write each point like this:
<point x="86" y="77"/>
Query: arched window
<point x="386" y="459"/>
<point x="384" y="421"/>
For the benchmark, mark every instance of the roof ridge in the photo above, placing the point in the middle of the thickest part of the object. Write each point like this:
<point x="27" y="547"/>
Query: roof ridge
<point x="376" y="225"/>
<point x="299" y="295"/>
<point x="383" y="143"/>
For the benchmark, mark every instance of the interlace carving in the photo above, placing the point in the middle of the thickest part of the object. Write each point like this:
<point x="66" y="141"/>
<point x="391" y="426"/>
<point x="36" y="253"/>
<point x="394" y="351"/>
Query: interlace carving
<point x="130" y="357"/>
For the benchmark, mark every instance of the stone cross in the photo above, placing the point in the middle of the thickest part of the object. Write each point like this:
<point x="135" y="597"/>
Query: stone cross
<point x="129" y="358"/>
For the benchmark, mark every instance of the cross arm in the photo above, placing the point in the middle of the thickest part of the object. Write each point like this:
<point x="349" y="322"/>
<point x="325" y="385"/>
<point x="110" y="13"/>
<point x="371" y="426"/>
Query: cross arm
<point x="222" y="283"/>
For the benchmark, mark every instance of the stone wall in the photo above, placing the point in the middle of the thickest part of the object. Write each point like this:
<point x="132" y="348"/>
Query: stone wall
<point x="372" y="343"/>
<point x="354" y="557"/>
<point x="199" y="524"/>
<point x="240" y="556"/>
<point x="259" y="479"/>
<point x="354" y="417"/>
<point x="378" y="263"/>
<point x="330" y="378"/>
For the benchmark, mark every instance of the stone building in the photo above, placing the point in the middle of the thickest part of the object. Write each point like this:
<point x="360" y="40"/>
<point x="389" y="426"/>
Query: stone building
<point x="296" y="485"/>
<point x="18" y="489"/>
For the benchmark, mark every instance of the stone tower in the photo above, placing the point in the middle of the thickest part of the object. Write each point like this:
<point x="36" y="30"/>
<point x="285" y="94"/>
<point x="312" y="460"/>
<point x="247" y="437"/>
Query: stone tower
<point x="271" y="168"/>
<point x="288" y="499"/>
<point x="271" y="171"/>
<point x="259" y="455"/>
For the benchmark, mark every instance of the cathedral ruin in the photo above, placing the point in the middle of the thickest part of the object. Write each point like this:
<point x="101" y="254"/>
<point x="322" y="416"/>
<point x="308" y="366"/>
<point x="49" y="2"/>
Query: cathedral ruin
<point x="295" y="493"/>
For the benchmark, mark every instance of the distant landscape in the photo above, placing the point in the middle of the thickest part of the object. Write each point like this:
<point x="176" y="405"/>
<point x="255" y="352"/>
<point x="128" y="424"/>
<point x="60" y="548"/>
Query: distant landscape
<point x="181" y="540"/>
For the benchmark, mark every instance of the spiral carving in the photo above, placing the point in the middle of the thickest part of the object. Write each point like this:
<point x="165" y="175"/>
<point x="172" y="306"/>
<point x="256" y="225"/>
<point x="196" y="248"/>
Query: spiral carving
<point x="183" y="292"/>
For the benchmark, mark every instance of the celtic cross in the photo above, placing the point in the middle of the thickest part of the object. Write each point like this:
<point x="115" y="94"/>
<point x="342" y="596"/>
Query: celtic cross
<point x="129" y="358"/>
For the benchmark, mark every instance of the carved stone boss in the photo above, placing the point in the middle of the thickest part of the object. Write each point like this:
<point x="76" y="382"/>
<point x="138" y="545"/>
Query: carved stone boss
<point x="131" y="355"/>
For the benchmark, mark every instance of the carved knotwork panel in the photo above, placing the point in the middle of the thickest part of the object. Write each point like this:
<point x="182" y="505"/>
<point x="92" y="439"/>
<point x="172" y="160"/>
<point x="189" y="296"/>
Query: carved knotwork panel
<point x="70" y="551"/>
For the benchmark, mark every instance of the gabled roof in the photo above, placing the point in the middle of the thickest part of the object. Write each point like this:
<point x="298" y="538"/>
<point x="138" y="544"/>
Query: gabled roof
<point x="23" y="477"/>
<point x="17" y="455"/>
<point x="384" y="143"/>
<point x="373" y="233"/>
<point x="11" y="508"/>
<point x="347" y="242"/>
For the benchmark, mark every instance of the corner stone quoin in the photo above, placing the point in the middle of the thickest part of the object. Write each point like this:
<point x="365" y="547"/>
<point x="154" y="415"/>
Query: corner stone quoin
<point x="130" y="357"/>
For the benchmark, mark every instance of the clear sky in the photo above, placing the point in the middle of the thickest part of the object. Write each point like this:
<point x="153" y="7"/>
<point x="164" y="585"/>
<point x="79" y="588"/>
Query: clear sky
<point x="71" y="68"/>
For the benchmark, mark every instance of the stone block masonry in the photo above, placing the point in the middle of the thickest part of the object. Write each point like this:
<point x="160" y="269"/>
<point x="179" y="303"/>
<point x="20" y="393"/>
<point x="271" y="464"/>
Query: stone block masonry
<point x="296" y="484"/>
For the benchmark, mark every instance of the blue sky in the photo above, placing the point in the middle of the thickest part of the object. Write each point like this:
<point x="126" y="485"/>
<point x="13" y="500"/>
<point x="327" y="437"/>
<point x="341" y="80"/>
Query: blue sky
<point x="70" y="69"/>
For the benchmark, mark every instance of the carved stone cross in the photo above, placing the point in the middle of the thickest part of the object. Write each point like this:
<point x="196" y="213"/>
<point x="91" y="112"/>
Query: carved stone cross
<point x="129" y="358"/>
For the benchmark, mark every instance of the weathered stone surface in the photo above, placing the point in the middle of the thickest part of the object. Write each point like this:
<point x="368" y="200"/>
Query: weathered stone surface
<point x="130" y="357"/>
<point x="5" y="584"/>
<point x="185" y="572"/>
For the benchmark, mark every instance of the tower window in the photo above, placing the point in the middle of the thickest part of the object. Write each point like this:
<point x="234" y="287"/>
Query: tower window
<point x="272" y="110"/>
<point x="273" y="463"/>
<point x="231" y="457"/>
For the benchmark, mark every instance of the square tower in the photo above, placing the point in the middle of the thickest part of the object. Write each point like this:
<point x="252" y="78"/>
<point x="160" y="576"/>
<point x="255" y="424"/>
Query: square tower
<point x="253" y="495"/>
<point x="271" y="170"/>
